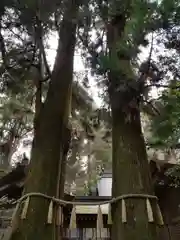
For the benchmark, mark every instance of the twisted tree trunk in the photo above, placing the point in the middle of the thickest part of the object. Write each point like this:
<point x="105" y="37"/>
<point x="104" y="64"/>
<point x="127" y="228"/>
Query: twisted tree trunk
<point x="47" y="143"/>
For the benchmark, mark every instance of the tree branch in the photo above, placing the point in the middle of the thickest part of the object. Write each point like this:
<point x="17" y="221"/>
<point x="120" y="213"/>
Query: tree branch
<point x="41" y="45"/>
<point x="2" y="47"/>
<point x="162" y="85"/>
<point x="155" y="111"/>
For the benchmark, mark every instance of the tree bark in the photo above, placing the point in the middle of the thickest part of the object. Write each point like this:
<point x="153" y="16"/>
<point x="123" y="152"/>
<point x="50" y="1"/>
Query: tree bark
<point x="130" y="175"/>
<point x="47" y="143"/>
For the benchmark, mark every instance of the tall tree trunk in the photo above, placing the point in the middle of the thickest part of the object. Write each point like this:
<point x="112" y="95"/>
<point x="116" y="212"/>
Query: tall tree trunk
<point x="47" y="143"/>
<point x="130" y="164"/>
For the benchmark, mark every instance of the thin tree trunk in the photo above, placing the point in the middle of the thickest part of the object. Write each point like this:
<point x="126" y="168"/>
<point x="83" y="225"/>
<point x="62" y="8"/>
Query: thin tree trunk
<point x="66" y="143"/>
<point x="9" y="147"/>
<point x="63" y="175"/>
<point x="62" y="172"/>
<point x="38" y="99"/>
<point x="47" y="143"/>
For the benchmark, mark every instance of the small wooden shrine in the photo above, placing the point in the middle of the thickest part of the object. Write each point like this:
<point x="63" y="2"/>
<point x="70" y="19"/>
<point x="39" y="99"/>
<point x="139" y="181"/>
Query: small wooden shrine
<point x="86" y="220"/>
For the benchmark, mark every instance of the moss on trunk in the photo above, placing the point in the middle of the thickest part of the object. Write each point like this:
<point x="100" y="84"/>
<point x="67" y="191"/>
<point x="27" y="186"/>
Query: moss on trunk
<point x="47" y="143"/>
<point x="130" y="175"/>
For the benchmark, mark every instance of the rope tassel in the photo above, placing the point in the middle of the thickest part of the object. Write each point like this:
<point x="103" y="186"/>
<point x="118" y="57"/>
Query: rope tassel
<point x="59" y="217"/>
<point x="25" y="208"/>
<point x="99" y="219"/>
<point x="50" y="213"/>
<point x="149" y="211"/>
<point x="72" y="224"/>
<point x="124" y="213"/>
<point x="159" y="216"/>
<point x="14" y="220"/>
<point x="109" y="220"/>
